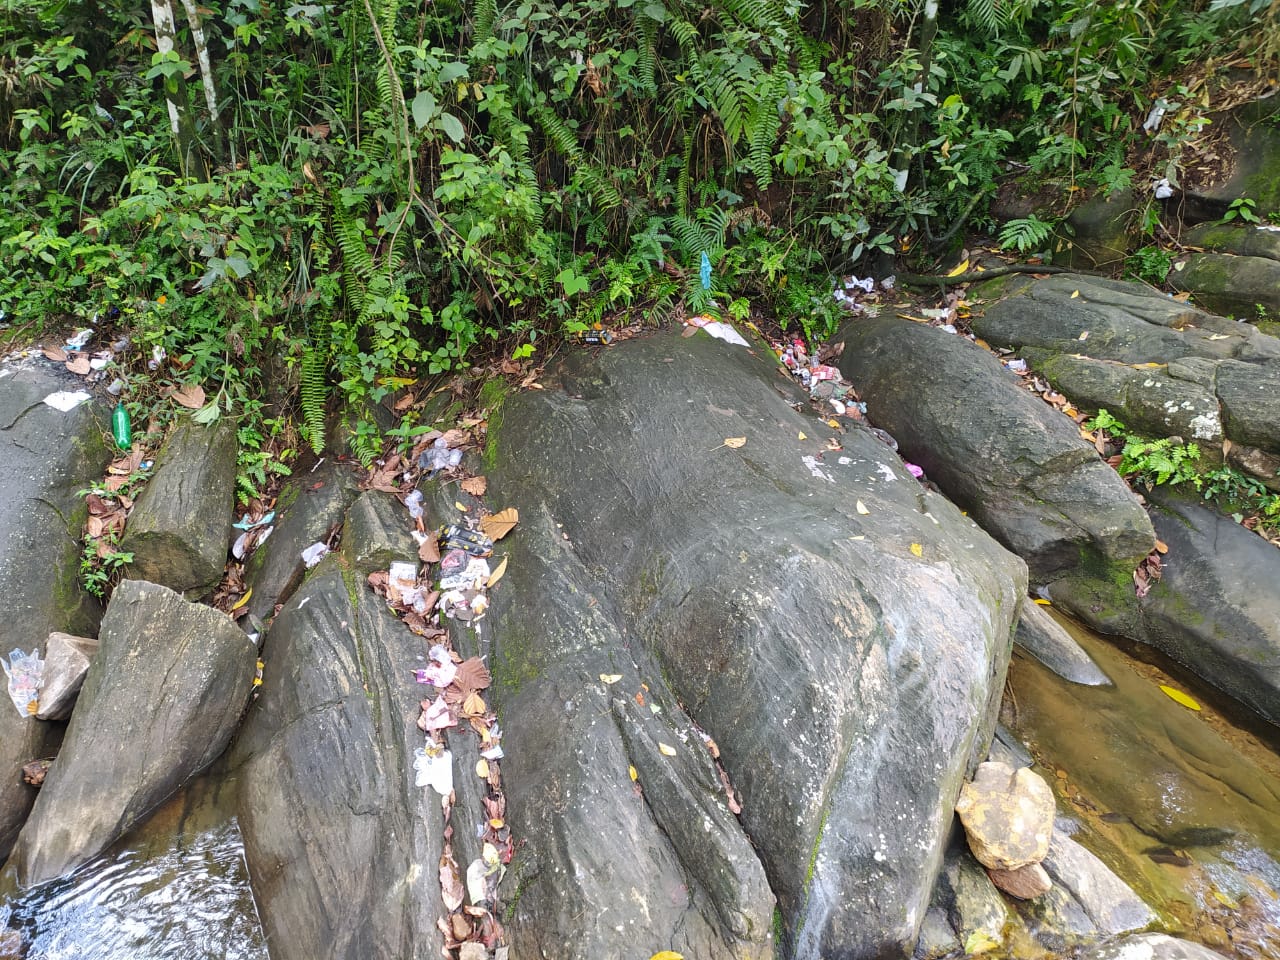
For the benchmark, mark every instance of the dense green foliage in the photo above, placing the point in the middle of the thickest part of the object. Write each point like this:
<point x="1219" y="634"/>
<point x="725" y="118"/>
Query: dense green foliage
<point x="389" y="185"/>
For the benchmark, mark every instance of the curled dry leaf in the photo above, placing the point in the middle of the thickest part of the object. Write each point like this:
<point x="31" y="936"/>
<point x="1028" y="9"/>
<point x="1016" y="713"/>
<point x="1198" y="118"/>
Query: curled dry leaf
<point x="862" y="508"/>
<point x="473" y="705"/>
<point x="456" y="437"/>
<point x="56" y="354"/>
<point x="429" y="551"/>
<point x="190" y="395"/>
<point x="735" y="442"/>
<point x="451" y="891"/>
<point x="475" y="486"/>
<point x="79" y="365"/>
<point x="498" y="525"/>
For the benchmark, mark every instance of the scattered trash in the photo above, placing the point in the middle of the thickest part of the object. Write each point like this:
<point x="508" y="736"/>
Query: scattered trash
<point x="472" y="542"/>
<point x="442" y="670"/>
<point x="116" y="387"/>
<point x="439" y="457"/>
<point x="121" y="429"/>
<point x="248" y="524"/>
<point x="1017" y="366"/>
<point x="79" y="340"/>
<point x="596" y="336"/>
<point x="157" y="357"/>
<point x="65" y="401"/>
<point x="34" y="773"/>
<point x="917" y="472"/>
<point x="314" y="554"/>
<point x="434" y="767"/>
<point x="413" y="503"/>
<point x="1156" y="116"/>
<point x="704" y="273"/>
<point x="716" y="328"/>
<point x="25" y="672"/>
<point x="1162" y="189"/>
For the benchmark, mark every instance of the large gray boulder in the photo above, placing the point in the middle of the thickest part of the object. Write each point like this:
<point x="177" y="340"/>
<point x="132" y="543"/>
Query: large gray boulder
<point x="1112" y="320"/>
<point x="343" y="849"/>
<point x="840" y="632"/>
<point x="160" y="703"/>
<point x="1215" y="610"/>
<point x="1019" y="467"/>
<point x="46" y="456"/>
<point x="179" y="530"/>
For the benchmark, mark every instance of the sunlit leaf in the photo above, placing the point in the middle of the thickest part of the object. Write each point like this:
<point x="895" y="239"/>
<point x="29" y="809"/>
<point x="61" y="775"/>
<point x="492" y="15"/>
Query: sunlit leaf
<point x="610" y="677"/>
<point x="917" y="550"/>
<point x="1177" y="696"/>
<point x="862" y="508"/>
<point x="498" y="573"/>
<point x="667" y="750"/>
<point x="498" y="525"/>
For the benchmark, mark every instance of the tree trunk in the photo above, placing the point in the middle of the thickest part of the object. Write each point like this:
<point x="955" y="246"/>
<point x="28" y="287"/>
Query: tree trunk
<point x="175" y="89"/>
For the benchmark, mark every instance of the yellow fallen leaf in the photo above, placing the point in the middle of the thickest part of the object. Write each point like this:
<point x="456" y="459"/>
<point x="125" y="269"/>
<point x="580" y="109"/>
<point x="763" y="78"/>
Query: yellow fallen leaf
<point x="459" y="507"/>
<point x="497" y="823"/>
<point x="498" y="573"/>
<point x="498" y="525"/>
<point x="959" y="268"/>
<point x="1074" y="294"/>
<point x="917" y="550"/>
<point x="862" y="508"/>
<point x="667" y="955"/>
<point x="1161" y="547"/>
<point x="1043" y="602"/>
<point x="1083" y="336"/>
<point x="482" y="768"/>
<point x="1070" y="411"/>
<point x="610" y="677"/>
<point x="735" y="442"/>
<point x="802" y="436"/>
<point x="243" y="600"/>
<point x="833" y="424"/>
<point x="633" y="773"/>
<point x="1177" y="696"/>
<point x="667" y="751"/>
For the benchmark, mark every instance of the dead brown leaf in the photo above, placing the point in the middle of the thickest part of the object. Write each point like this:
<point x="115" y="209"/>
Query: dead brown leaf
<point x="451" y="890"/>
<point x="473" y="705"/>
<point x="429" y="552"/>
<point x="476" y="486"/>
<point x="472" y="675"/>
<point x="404" y="403"/>
<point x="56" y="354"/>
<point x="190" y="395"/>
<point x="498" y="525"/>
<point x="456" y="438"/>
<point x="497" y="573"/>
<point x="79" y="365"/>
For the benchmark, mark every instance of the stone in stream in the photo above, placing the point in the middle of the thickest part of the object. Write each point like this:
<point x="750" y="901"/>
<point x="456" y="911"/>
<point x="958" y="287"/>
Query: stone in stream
<point x="179" y="530"/>
<point x="1104" y="897"/>
<point x="1007" y="816"/>
<point x="1215" y="610"/>
<point x="343" y="849"/>
<point x="1150" y="946"/>
<point x="1019" y="467"/>
<point x="46" y="456"/>
<point x="164" y="695"/>
<point x="66" y="661"/>
<point x="845" y="662"/>
<point x="1048" y="641"/>
<point x="1025" y="883"/>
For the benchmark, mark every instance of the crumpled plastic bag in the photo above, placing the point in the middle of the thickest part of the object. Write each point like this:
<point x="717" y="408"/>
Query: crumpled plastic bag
<point x="438" y="457"/>
<point x="66" y="663"/>
<point x="24" y="671"/>
<point x="718" y="329"/>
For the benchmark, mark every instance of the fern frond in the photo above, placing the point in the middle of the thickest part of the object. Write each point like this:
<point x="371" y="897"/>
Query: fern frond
<point x="685" y="175"/>
<point x="314" y="392"/>
<point x="648" y="52"/>
<point x="565" y="140"/>
<point x="484" y="14"/>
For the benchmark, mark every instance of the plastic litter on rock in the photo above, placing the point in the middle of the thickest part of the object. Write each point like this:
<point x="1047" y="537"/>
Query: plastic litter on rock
<point x="246" y="523"/>
<point x="413" y="503"/>
<point x="434" y="767"/>
<point x="442" y="670"/>
<point x="718" y="329"/>
<point x="65" y="401"/>
<point x="79" y="340"/>
<point x="314" y="554"/>
<point x="439" y="457"/>
<point x="25" y="672"/>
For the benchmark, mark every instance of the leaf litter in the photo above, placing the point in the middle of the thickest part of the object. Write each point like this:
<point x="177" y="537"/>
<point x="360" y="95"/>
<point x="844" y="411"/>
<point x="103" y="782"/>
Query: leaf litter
<point x="450" y="583"/>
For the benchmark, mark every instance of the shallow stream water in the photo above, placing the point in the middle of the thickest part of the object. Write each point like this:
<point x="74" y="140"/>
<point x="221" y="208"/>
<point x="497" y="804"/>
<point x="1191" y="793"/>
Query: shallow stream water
<point x="177" y="889"/>
<point x="1183" y="805"/>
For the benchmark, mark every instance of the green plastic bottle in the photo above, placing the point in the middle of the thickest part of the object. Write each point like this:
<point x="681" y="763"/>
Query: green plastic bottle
<point x="121" y="428"/>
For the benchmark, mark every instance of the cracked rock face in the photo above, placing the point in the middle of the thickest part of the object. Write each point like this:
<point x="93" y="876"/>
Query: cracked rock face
<point x="46" y="456"/>
<point x="839" y="632"/>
